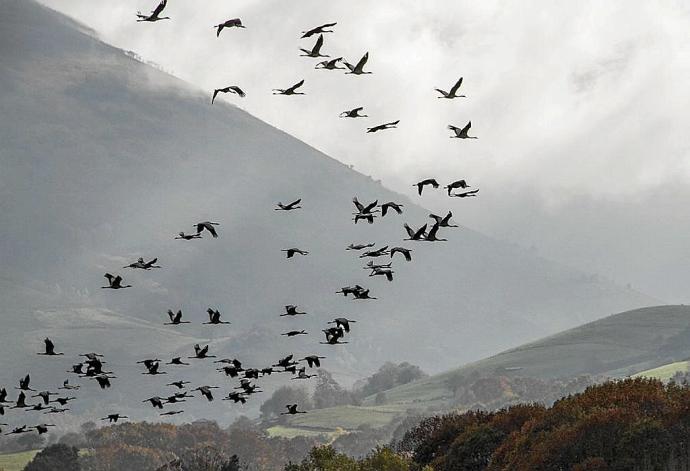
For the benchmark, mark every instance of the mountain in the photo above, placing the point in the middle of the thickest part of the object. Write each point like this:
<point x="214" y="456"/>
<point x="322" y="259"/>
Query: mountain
<point x="105" y="158"/>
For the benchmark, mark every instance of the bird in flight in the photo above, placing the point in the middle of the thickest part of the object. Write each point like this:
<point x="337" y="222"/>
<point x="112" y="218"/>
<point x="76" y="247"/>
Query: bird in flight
<point x="330" y="65"/>
<point x="359" y="246"/>
<point x="359" y="68"/>
<point x="113" y="418"/>
<point x="429" y="181"/>
<point x="233" y="23"/>
<point x="175" y="318"/>
<point x="49" y="348"/>
<point x="291" y="310"/>
<point x="214" y="317"/>
<point x="155" y="14"/>
<point x="407" y="253"/>
<point x="313" y="360"/>
<point x="318" y="30"/>
<point x="231" y="89"/>
<point x="142" y="265"/>
<point x="294" y="333"/>
<point x="316" y="50"/>
<point x="381" y="127"/>
<point x="292" y="410"/>
<point x="184" y="236"/>
<point x="453" y="91"/>
<point x="114" y="282"/>
<point x="353" y="113"/>
<point x="291" y="252"/>
<point x="172" y="412"/>
<point x="387" y="272"/>
<point x="462" y="133"/>
<point x="466" y="194"/>
<point x="431" y="236"/>
<point x="343" y="323"/>
<point x="289" y="91"/>
<point x="456" y="184"/>
<point x="201" y="353"/>
<point x="289" y="207"/>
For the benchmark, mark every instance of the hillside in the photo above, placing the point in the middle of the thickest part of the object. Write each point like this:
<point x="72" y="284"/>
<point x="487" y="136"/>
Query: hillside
<point x="616" y="346"/>
<point x="105" y="158"/>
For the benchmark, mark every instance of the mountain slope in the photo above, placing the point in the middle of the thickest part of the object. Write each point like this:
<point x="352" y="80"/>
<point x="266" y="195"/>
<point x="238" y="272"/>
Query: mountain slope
<point x="105" y="159"/>
<point x="616" y="346"/>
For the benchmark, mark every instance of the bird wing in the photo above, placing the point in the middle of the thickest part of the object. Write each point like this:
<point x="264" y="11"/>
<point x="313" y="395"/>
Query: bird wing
<point x="215" y="94"/>
<point x="360" y="206"/>
<point x="455" y="129"/>
<point x="436" y="218"/>
<point x="433" y="231"/>
<point x="327" y="25"/>
<point x="420" y="232"/>
<point x="384" y="209"/>
<point x="409" y="230"/>
<point x="159" y="8"/>
<point x="204" y="350"/>
<point x="357" y="110"/>
<point x="295" y="86"/>
<point x="238" y="90"/>
<point x="211" y="229"/>
<point x="294" y="203"/>
<point x="456" y="87"/>
<point x="362" y="62"/>
<point x="117" y="281"/>
<point x="446" y="219"/>
<point x="317" y="47"/>
<point x="49" y="345"/>
<point x="467" y="127"/>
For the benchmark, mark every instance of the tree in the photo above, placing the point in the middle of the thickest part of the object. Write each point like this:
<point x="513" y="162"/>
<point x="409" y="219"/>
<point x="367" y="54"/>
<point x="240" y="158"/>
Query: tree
<point x="54" y="457"/>
<point x="282" y="396"/>
<point x="328" y="393"/>
<point x="389" y="376"/>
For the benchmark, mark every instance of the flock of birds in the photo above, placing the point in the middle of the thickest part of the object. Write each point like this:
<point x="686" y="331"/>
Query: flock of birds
<point x="93" y="365"/>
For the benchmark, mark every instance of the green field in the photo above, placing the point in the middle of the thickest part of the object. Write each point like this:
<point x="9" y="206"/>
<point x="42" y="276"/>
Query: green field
<point x="16" y="461"/>
<point x="664" y="372"/>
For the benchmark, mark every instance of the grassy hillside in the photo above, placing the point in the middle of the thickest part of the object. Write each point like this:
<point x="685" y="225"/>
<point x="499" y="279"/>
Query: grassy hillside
<point x="664" y="372"/>
<point x="16" y="461"/>
<point x="616" y="346"/>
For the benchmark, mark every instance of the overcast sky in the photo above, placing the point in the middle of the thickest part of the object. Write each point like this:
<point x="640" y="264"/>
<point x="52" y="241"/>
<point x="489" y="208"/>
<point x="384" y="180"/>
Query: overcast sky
<point x="581" y="108"/>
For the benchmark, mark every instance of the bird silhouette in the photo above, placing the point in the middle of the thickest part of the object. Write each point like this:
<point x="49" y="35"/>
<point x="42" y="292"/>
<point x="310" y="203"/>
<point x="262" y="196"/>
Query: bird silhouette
<point x="236" y="397"/>
<point x="155" y="401"/>
<point x="214" y="317"/>
<point x="289" y="91"/>
<point x="314" y="51"/>
<point x="25" y="383"/>
<point x="291" y="252"/>
<point x="206" y="391"/>
<point x="456" y="184"/>
<point x="330" y="64"/>
<point x="184" y="236"/>
<point x="142" y="265"/>
<point x="407" y="253"/>
<point x="466" y="194"/>
<point x="318" y="30"/>
<point x="291" y="310"/>
<point x="387" y="272"/>
<point x="359" y="68"/>
<point x="429" y="181"/>
<point x="343" y="323"/>
<point x="359" y="246"/>
<point x="177" y="361"/>
<point x="114" y="282"/>
<point x="381" y="127"/>
<point x="313" y="360"/>
<point x="201" y="353"/>
<point x="292" y="410"/>
<point x="461" y="133"/>
<point x="294" y="333"/>
<point x="113" y="418"/>
<point x="453" y="91"/>
<point x="172" y="412"/>
<point x="375" y="253"/>
<point x="49" y="348"/>
<point x="42" y="428"/>
<point x="367" y="217"/>
<point x="231" y="89"/>
<point x="431" y="236"/>
<point x="353" y="113"/>
<point x="289" y="207"/>
<point x="178" y="384"/>
<point x="233" y="23"/>
<point x="175" y="318"/>
<point x="155" y="14"/>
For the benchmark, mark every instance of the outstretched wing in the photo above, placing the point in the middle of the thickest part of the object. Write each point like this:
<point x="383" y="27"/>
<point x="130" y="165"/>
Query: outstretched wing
<point x="362" y="62"/>
<point x="455" y="129"/>
<point x="317" y="47"/>
<point x="360" y="206"/>
<point x="433" y="231"/>
<point x="371" y="206"/>
<point x="420" y="233"/>
<point x="238" y="90"/>
<point x="159" y="8"/>
<point x="295" y="86"/>
<point x="466" y="128"/>
<point x="409" y="230"/>
<point x="456" y="87"/>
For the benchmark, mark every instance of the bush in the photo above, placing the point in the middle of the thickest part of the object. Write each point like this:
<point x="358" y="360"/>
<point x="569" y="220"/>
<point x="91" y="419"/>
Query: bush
<point x="55" y="457"/>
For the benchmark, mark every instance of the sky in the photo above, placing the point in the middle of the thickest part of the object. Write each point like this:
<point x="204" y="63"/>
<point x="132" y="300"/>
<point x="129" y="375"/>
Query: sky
<point x="580" y="108"/>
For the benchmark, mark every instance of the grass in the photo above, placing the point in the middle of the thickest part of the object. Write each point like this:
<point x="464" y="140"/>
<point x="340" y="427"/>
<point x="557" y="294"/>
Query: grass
<point x="664" y="372"/>
<point x="16" y="461"/>
<point x="292" y="432"/>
